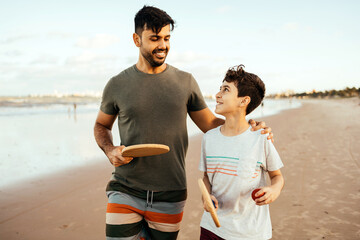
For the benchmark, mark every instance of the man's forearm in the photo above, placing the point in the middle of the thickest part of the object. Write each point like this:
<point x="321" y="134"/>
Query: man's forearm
<point x="217" y="122"/>
<point x="214" y="123"/>
<point x="103" y="137"/>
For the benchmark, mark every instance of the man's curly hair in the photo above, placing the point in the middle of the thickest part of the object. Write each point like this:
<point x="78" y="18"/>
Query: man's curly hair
<point x="248" y="84"/>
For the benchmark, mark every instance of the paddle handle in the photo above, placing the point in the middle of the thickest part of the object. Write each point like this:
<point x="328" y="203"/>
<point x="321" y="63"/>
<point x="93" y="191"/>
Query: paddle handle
<point x="208" y="202"/>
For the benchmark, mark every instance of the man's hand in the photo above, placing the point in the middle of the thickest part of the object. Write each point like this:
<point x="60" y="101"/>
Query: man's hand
<point x="115" y="157"/>
<point x="261" y="125"/>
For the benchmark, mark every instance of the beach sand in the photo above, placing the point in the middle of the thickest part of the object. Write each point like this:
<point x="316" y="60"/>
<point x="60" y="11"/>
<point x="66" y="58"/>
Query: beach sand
<point x="318" y="143"/>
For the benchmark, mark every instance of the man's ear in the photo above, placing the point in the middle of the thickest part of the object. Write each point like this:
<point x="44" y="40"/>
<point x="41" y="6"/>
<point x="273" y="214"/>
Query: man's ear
<point x="137" y="39"/>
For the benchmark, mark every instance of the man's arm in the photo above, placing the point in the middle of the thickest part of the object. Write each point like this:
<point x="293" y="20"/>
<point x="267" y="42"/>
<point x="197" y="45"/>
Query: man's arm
<point x="206" y="120"/>
<point x="103" y="137"/>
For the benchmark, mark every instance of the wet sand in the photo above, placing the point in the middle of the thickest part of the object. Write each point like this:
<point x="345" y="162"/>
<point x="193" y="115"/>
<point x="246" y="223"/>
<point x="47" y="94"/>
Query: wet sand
<point x="318" y="144"/>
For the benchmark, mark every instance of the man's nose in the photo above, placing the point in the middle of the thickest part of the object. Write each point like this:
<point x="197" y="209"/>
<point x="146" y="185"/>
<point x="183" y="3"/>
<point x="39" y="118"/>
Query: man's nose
<point x="162" y="44"/>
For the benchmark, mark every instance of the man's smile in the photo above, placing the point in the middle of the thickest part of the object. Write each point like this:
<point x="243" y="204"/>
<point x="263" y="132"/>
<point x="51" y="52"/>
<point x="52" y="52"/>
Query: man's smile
<point x="160" y="53"/>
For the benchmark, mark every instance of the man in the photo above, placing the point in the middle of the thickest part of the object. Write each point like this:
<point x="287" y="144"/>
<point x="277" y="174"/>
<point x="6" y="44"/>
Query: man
<point x="151" y="100"/>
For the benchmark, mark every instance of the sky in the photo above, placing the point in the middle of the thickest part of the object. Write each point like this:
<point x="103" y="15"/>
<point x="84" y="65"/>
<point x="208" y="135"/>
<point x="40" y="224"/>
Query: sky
<point x="75" y="46"/>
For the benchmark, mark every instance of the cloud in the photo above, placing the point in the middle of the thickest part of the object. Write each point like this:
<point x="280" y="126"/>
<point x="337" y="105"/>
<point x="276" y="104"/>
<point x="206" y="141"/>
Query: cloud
<point x="223" y="9"/>
<point x="193" y="57"/>
<point x="13" y="53"/>
<point x="88" y="57"/>
<point x="99" y="41"/>
<point x="291" y="26"/>
<point x="16" y="38"/>
<point x="62" y="35"/>
<point x="45" y="59"/>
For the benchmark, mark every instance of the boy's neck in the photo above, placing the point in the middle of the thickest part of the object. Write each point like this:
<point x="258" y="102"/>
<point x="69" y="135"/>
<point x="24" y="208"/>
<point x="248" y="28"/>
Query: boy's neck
<point x="234" y="125"/>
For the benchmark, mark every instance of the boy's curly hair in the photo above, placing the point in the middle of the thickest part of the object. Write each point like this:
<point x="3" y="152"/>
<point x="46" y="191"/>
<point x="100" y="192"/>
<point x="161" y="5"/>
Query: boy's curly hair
<point x="248" y="84"/>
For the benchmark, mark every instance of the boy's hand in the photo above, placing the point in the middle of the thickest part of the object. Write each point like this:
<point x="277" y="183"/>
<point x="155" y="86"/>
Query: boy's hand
<point x="215" y="201"/>
<point x="271" y="194"/>
<point x="259" y="125"/>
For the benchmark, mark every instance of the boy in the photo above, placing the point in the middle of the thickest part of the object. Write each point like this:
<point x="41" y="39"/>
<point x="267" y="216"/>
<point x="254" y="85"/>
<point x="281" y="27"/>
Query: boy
<point x="235" y="159"/>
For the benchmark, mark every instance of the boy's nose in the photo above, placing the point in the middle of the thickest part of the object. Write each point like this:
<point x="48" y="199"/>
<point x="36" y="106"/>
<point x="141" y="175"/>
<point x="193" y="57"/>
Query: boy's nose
<point x="218" y="95"/>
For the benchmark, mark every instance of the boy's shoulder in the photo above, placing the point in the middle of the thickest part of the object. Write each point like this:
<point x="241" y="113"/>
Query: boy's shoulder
<point x="212" y="132"/>
<point x="258" y="133"/>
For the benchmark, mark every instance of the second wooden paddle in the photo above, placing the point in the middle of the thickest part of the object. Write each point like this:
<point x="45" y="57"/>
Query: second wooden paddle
<point x="208" y="202"/>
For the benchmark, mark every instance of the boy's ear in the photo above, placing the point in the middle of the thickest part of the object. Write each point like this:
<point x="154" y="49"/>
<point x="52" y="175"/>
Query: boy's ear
<point x="137" y="39"/>
<point x="245" y="101"/>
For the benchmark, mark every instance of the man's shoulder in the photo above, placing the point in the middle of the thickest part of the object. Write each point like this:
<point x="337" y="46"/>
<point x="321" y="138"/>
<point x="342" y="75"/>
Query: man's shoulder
<point x="122" y="76"/>
<point x="178" y="71"/>
<point x="127" y="71"/>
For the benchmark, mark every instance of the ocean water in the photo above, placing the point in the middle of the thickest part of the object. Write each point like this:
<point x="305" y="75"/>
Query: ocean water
<point x="41" y="140"/>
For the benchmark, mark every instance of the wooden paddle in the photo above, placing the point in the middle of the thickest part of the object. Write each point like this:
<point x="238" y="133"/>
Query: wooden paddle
<point x="143" y="150"/>
<point x="208" y="202"/>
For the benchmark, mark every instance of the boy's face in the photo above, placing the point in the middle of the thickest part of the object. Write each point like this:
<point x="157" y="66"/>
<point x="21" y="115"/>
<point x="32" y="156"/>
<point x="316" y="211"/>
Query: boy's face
<point x="155" y="47"/>
<point x="227" y="99"/>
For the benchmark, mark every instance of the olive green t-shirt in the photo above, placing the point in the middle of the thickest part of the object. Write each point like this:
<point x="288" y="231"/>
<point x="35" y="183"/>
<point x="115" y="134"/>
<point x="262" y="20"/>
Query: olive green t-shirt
<point x="152" y="108"/>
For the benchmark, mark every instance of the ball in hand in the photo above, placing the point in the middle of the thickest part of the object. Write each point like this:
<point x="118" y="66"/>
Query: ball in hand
<point x="254" y="192"/>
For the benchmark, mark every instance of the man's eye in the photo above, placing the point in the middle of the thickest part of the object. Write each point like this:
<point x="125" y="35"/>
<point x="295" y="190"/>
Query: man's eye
<point x="153" y="39"/>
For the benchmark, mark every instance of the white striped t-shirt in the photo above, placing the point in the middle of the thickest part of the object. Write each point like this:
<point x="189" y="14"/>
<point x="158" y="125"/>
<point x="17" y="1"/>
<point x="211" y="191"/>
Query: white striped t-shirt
<point x="236" y="166"/>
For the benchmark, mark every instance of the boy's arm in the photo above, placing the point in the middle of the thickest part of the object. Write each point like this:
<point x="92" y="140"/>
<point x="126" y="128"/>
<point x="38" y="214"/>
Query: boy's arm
<point x="208" y="187"/>
<point x="273" y="191"/>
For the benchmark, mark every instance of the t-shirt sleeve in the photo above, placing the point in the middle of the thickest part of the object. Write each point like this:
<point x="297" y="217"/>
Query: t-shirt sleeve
<point x="196" y="100"/>
<point x="202" y="163"/>
<point x="108" y="104"/>
<point x="273" y="160"/>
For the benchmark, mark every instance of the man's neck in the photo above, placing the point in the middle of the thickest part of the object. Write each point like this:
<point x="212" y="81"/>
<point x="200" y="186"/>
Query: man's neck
<point x="235" y="124"/>
<point x="145" y="67"/>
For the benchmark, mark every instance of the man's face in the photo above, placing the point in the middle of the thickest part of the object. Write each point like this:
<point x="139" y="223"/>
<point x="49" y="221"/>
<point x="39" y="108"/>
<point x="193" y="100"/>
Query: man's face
<point x="155" y="47"/>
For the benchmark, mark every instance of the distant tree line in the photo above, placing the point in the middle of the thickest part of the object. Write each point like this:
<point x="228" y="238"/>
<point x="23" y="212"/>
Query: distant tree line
<point x="344" y="93"/>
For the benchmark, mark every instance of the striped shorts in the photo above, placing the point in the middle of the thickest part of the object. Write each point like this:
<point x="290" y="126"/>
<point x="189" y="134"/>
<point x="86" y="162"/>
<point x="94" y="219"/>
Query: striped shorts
<point x="130" y="218"/>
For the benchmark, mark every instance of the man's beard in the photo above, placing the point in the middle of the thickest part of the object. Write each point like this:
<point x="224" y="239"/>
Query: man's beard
<point x="151" y="58"/>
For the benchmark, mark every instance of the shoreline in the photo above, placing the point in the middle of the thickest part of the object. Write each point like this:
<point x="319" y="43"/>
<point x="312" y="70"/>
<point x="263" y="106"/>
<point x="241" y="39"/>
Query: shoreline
<point x="317" y="143"/>
<point x="59" y="137"/>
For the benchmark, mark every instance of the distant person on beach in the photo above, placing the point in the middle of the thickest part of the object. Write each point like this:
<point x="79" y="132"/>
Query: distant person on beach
<point x="235" y="161"/>
<point x="151" y="100"/>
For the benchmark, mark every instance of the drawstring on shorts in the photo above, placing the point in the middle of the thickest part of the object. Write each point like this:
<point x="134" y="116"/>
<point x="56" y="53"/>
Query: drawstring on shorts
<point x="151" y="199"/>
